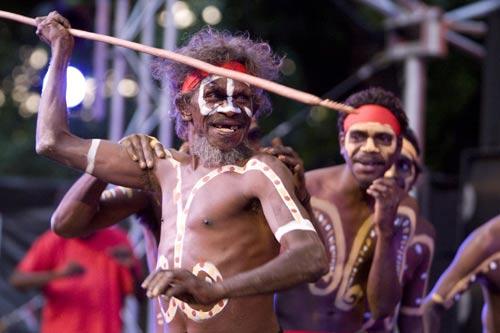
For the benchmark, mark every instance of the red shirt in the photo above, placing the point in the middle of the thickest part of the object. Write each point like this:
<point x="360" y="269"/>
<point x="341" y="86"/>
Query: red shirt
<point x="90" y="302"/>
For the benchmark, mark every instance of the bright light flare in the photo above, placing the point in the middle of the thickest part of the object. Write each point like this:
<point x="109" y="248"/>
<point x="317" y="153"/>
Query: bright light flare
<point x="76" y="86"/>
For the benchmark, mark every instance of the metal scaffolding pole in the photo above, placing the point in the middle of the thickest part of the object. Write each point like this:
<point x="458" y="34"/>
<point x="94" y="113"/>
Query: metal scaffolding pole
<point x="117" y="116"/>
<point x="414" y="96"/>
<point x="100" y="61"/>
<point x="165" y="130"/>
<point x="145" y="80"/>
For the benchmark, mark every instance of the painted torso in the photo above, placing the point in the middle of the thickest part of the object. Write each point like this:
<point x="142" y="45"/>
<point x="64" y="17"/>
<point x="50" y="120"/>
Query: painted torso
<point x="212" y="229"/>
<point x="337" y="302"/>
<point x="419" y="254"/>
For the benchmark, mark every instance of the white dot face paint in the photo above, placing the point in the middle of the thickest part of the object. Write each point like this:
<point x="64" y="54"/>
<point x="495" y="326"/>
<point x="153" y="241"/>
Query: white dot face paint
<point x="224" y="106"/>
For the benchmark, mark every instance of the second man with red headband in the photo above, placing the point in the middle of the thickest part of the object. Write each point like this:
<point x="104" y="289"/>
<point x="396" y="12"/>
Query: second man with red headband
<point x="365" y="227"/>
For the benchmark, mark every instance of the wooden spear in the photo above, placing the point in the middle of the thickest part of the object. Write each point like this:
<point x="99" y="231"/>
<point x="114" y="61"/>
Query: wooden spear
<point x="201" y="65"/>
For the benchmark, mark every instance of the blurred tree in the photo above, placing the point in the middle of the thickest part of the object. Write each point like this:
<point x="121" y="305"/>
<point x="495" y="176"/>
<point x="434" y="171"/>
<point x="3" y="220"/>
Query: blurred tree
<point x="323" y="42"/>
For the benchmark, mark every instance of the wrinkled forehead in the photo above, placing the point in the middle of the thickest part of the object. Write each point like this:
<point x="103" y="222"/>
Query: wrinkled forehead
<point x="215" y="81"/>
<point x="371" y="128"/>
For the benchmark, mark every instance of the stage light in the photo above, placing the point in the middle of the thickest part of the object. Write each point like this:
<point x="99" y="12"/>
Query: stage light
<point x="75" y="91"/>
<point x="211" y="15"/>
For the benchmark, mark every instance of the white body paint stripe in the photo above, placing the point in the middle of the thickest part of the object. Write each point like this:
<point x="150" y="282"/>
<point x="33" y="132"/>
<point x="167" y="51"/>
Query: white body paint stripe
<point x="291" y="226"/>
<point x="411" y="311"/>
<point x="299" y="223"/>
<point x="91" y="155"/>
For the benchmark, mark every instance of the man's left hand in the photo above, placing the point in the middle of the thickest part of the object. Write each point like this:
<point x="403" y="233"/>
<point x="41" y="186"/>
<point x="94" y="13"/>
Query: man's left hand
<point x="182" y="284"/>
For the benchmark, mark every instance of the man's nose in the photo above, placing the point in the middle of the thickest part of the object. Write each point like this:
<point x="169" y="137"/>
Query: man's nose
<point x="369" y="146"/>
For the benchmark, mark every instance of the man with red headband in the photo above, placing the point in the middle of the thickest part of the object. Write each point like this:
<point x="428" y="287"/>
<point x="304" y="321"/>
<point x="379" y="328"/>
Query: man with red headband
<point x="420" y="251"/>
<point x="232" y="229"/>
<point x="364" y="226"/>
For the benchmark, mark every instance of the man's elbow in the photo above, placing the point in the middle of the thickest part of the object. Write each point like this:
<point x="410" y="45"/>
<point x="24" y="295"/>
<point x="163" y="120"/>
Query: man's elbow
<point x="60" y="226"/>
<point x="46" y="145"/>
<point x="318" y="262"/>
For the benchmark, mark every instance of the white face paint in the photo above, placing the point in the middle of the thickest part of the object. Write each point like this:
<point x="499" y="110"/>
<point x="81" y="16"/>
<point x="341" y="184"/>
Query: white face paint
<point x="223" y="107"/>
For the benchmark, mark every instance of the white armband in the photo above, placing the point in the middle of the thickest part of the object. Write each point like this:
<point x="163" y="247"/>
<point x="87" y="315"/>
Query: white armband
<point x="91" y="155"/>
<point x="293" y="225"/>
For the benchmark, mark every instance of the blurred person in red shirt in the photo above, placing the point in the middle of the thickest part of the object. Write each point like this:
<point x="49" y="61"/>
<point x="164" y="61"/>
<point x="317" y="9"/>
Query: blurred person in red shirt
<point x="84" y="280"/>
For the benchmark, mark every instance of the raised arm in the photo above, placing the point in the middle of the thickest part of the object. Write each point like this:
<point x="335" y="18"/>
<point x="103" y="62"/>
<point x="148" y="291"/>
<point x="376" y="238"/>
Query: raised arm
<point x="86" y="208"/>
<point x="472" y="258"/>
<point x="104" y="159"/>
<point x="384" y="285"/>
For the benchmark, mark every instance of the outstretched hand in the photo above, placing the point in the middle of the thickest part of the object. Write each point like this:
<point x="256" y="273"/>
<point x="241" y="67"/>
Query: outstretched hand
<point x="143" y="149"/>
<point x="293" y="162"/>
<point x="387" y="195"/>
<point x="182" y="284"/>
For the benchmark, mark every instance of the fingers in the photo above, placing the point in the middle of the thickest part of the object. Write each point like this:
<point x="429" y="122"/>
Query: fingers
<point x="158" y="148"/>
<point x="290" y="162"/>
<point x="184" y="148"/>
<point x="147" y="151"/>
<point x="277" y="142"/>
<point x="157" y="283"/>
<point x="129" y="148"/>
<point x="60" y="19"/>
<point x="137" y="148"/>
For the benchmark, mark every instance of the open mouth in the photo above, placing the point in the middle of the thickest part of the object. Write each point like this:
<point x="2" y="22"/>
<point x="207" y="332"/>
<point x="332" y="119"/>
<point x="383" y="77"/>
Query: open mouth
<point x="369" y="165"/>
<point x="226" y="127"/>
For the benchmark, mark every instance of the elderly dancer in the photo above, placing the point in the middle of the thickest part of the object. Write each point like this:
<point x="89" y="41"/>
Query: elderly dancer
<point x="232" y="228"/>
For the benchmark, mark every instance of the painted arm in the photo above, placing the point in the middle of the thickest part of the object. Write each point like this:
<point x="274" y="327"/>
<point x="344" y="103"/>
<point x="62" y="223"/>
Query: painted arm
<point x="86" y="208"/>
<point x="23" y="280"/>
<point x="474" y="257"/>
<point x="104" y="159"/>
<point x="410" y="314"/>
<point x="384" y="286"/>
<point x="302" y="258"/>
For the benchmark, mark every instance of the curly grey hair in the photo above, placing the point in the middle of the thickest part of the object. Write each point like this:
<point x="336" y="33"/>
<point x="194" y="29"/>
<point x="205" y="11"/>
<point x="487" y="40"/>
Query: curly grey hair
<point x="217" y="48"/>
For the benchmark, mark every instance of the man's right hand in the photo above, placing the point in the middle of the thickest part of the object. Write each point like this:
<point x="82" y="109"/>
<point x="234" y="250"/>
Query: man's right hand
<point x="73" y="268"/>
<point x="387" y="195"/>
<point x="143" y="149"/>
<point x="53" y="30"/>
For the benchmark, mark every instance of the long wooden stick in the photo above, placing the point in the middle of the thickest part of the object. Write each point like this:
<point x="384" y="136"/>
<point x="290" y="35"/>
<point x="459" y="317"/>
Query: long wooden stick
<point x="243" y="77"/>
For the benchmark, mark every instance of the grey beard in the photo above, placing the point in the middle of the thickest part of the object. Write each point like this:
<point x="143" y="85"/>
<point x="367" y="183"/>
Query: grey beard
<point x="212" y="157"/>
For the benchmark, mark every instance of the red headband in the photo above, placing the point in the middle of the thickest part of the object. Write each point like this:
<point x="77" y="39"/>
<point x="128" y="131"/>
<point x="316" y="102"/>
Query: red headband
<point x="372" y="113"/>
<point x="194" y="78"/>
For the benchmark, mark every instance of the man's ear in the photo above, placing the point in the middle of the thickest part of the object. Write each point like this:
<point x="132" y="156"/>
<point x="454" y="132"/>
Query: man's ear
<point x="182" y="102"/>
<point x="342" y="139"/>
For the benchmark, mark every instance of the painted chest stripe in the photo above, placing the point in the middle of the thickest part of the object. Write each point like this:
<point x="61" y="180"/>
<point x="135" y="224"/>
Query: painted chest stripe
<point x="299" y="223"/>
